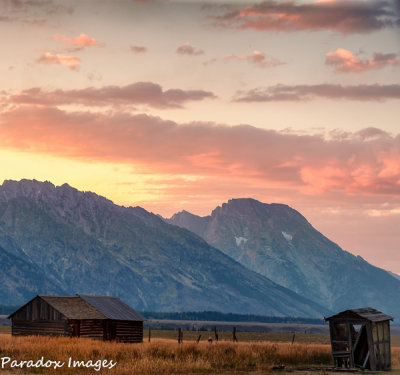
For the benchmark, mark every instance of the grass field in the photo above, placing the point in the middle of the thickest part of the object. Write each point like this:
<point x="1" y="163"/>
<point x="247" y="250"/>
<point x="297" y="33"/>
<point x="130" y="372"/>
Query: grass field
<point x="5" y="329"/>
<point x="164" y="356"/>
<point x="241" y="336"/>
<point x="255" y="353"/>
<point x="316" y="338"/>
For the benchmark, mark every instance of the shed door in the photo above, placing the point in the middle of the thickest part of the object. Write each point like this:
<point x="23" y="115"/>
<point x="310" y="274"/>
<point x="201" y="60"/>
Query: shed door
<point x="110" y="330"/>
<point x="361" y="349"/>
<point x="113" y="331"/>
<point x="76" y="328"/>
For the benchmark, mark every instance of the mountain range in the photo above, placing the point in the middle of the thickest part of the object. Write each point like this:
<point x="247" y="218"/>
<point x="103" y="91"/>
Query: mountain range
<point x="278" y="242"/>
<point x="58" y="240"/>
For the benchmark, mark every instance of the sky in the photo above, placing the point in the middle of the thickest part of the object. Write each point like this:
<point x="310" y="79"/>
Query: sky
<point x="182" y="105"/>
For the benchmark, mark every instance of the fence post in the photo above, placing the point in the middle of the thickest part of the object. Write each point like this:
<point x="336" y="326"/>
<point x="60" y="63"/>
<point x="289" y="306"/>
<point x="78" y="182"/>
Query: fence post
<point x="294" y="335"/>
<point x="198" y="339"/>
<point x="180" y="336"/>
<point x="234" y="338"/>
<point x="149" y="334"/>
<point x="215" y="333"/>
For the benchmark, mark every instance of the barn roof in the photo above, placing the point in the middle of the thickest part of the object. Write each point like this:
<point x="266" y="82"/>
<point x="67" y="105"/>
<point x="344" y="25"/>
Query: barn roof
<point x="112" y="307"/>
<point x="366" y="313"/>
<point x="90" y="307"/>
<point x="73" y="307"/>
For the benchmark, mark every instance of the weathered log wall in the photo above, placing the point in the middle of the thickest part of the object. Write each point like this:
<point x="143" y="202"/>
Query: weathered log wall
<point x="92" y="328"/>
<point x="129" y="331"/>
<point x="40" y="327"/>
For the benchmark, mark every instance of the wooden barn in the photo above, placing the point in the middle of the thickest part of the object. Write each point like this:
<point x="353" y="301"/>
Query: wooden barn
<point x="360" y="338"/>
<point x="104" y="318"/>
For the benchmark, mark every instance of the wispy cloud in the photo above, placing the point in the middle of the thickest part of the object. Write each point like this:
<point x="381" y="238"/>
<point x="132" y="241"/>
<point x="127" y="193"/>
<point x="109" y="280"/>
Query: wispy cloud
<point x="344" y="16"/>
<point x="188" y="49"/>
<point x="138" y="49"/>
<point x="329" y="91"/>
<point x="146" y="93"/>
<point x="345" y="61"/>
<point x="257" y="58"/>
<point x="70" y="62"/>
<point x="29" y="6"/>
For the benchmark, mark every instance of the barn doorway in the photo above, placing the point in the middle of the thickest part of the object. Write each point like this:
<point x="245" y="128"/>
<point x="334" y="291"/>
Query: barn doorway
<point x="110" y="330"/>
<point x="76" y="328"/>
<point x="113" y="331"/>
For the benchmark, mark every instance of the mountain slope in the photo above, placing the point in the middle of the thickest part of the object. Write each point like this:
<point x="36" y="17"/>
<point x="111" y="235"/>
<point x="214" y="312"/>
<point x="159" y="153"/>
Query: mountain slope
<point x="20" y="280"/>
<point x="278" y="242"/>
<point x="83" y="243"/>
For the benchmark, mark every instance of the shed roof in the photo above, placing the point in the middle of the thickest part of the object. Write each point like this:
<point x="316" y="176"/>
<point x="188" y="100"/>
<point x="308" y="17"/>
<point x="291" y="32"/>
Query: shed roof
<point x="112" y="307"/>
<point x="90" y="307"/>
<point x="366" y="313"/>
<point x="73" y="307"/>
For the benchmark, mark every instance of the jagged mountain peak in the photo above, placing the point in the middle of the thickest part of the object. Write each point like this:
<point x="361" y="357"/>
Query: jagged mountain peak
<point x="253" y="207"/>
<point x="25" y="188"/>
<point x="48" y="192"/>
<point x="241" y="218"/>
<point x="278" y="242"/>
<point x="81" y="241"/>
<point x="183" y="214"/>
<point x="184" y="217"/>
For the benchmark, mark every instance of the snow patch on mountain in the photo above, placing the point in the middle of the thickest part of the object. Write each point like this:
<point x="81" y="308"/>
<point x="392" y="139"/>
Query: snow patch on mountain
<point x="240" y="240"/>
<point x="288" y="237"/>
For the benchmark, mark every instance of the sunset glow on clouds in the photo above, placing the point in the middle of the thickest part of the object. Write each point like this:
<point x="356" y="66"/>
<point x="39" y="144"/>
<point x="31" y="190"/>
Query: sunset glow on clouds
<point x="78" y="42"/>
<point x="344" y="61"/>
<point x="70" y="62"/>
<point x="257" y="58"/>
<point x="184" y="105"/>
<point x="344" y="16"/>
<point x="310" y="163"/>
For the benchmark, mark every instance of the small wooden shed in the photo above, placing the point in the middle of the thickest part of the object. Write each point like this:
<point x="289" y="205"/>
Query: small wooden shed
<point x="96" y="317"/>
<point x="360" y="338"/>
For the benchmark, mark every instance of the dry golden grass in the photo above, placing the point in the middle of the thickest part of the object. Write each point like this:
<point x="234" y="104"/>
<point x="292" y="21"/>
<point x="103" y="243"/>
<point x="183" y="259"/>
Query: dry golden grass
<point x="395" y="358"/>
<point x="163" y="356"/>
<point x="166" y="357"/>
<point x="244" y="336"/>
<point x="5" y="329"/>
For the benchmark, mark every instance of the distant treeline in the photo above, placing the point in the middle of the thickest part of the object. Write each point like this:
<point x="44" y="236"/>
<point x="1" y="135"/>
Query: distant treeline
<point x="7" y="310"/>
<point x="230" y="317"/>
<point x="206" y="316"/>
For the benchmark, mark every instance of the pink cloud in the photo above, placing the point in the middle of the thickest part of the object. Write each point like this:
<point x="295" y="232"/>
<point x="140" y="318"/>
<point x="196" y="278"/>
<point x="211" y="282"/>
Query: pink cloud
<point x="146" y="93"/>
<point x="329" y="91"/>
<point x="344" y="16"/>
<point x="70" y="62"/>
<point x="257" y="58"/>
<point x="344" y="61"/>
<point x="78" y="42"/>
<point x="354" y="163"/>
<point x="188" y="49"/>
